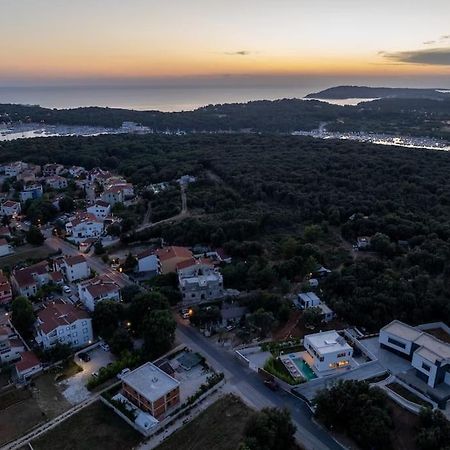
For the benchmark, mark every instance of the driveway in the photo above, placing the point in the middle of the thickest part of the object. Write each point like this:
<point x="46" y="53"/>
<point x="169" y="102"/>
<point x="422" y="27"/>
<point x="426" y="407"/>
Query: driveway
<point x="395" y="364"/>
<point x="74" y="388"/>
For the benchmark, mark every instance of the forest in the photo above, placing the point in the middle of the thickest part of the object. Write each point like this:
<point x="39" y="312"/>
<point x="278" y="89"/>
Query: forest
<point x="280" y="205"/>
<point x="407" y="116"/>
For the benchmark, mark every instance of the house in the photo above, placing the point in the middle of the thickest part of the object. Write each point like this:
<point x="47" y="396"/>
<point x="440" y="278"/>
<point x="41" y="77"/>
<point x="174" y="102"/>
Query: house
<point x="169" y="257"/>
<point x="99" y="209"/>
<point x="15" y="168"/>
<point x="199" y="281"/>
<point x="56" y="182"/>
<point x="113" y="195"/>
<point x="76" y="171"/>
<point x="84" y="225"/>
<point x="10" y="345"/>
<point x="311" y="300"/>
<point x="10" y="208"/>
<point x="151" y="389"/>
<point x="429" y="356"/>
<point x="5" y="290"/>
<point x="76" y="268"/>
<point x="31" y="192"/>
<point x="97" y="289"/>
<point x="63" y="323"/>
<point x="28" y="366"/>
<point x="5" y="248"/>
<point x="27" y="281"/>
<point x="327" y="350"/>
<point x="27" y="176"/>
<point x="51" y="170"/>
<point x="308" y="300"/>
<point x="98" y="175"/>
<point x="363" y="242"/>
<point x="186" y="179"/>
<point x="148" y="261"/>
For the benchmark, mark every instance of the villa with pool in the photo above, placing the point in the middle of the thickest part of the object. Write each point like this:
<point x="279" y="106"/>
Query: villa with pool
<point x="325" y="354"/>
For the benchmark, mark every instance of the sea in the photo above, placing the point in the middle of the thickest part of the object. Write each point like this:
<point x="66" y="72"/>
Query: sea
<point x="166" y="99"/>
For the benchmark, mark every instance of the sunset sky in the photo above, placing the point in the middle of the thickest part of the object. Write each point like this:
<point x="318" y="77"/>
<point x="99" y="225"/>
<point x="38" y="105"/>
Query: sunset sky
<point x="87" y="41"/>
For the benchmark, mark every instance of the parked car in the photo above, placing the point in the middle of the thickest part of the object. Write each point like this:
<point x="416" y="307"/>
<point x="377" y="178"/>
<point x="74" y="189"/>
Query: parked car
<point x="104" y="346"/>
<point x="272" y="385"/>
<point x="84" y="356"/>
<point x="67" y="289"/>
<point x="124" y="372"/>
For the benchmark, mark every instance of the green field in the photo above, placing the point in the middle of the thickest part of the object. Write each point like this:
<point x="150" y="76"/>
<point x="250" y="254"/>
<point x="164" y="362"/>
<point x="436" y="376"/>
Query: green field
<point x="220" y="427"/>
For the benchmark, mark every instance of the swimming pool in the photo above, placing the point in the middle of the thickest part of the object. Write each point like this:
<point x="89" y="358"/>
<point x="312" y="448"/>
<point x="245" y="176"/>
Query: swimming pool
<point x="304" y="369"/>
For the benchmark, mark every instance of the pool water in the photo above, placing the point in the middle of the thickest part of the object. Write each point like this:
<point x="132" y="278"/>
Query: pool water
<point x="305" y="370"/>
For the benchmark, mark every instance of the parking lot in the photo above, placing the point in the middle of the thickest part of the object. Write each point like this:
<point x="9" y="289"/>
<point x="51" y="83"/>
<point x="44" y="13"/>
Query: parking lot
<point x="74" y="388"/>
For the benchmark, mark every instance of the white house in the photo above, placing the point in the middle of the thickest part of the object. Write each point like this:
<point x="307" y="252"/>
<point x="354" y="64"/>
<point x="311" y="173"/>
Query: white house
<point x="13" y="169"/>
<point x="10" y="345"/>
<point x="99" y="209"/>
<point x="327" y="350"/>
<point x="429" y="356"/>
<point x="308" y="300"/>
<point x="84" y="225"/>
<point x="148" y="261"/>
<point x="76" y="268"/>
<point x="97" y="289"/>
<point x="363" y="242"/>
<point x="50" y="170"/>
<point x="28" y="366"/>
<point x="27" y="281"/>
<point x="31" y="192"/>
<point x="5" y="248"/>
<point x="10" y="208"/>
<point x="56" y="182"/>
<point x="199" y="281"/>
<point x="63" y="323"/>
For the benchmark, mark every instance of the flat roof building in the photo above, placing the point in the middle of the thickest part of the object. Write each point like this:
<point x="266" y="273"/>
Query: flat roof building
<point x="151" y="389"/>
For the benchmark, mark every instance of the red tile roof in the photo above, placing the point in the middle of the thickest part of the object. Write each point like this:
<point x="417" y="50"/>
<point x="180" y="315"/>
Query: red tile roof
<point x="56" y="276"/>
<point x="24" y="277"/>
<point x="10" y="203"/>
<point x="173" y="252"/>
<point x="27" y="361"/>
<point x="74" y="260"/>
<point x="58" y="314"/>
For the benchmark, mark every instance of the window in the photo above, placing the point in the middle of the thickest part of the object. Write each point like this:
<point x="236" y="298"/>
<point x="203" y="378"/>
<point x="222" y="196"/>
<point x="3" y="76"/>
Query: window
<point x="396" y="343"/>
<point x="426" y="367"/>
<point x="342" y="354"/>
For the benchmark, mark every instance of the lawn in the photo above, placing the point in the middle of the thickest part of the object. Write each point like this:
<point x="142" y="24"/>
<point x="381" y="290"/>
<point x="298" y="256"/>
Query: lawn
<point x="24" y="253"/>
<point x="408" y="395"/>
<point x="220" y="427"/>
<point x="94" y="427"/>
<point x="275" y="367"/>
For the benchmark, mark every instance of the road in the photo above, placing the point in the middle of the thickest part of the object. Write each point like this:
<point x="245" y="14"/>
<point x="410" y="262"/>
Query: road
<point x="95" y="264"/>
<point x="246" y="384"/>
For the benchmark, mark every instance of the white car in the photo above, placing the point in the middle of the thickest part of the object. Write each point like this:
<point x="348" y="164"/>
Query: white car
<point x="124" y="372"/>
<point x="104" y="346"/>
<point x="67" y="289"/>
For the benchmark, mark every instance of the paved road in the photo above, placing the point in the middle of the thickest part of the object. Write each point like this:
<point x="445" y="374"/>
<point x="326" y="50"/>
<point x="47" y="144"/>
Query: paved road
<point x="249" y="386"/>
<point x="95" y="263"/>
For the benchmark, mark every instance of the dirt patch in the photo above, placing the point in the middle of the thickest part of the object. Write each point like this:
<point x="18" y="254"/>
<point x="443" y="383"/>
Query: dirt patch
<point x="406" y="426"/>
<point x="48" y="397"/>
<point x="94" y="427"/>
<point x="219" y="427"/>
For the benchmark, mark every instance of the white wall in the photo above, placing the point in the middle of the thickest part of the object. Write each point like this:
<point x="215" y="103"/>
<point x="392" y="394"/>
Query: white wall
<point x="384" y="339"/>
<point x="417" y="362"/>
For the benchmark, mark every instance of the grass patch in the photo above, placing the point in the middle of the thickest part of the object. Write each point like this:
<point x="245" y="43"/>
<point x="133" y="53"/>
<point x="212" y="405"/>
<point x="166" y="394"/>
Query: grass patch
<point x="69" y="369"/>
<point x="13" y="396"/>
<point x="219" y="427"/>
<point x="408" y="395"/>
<point x="275" y="367"/>
<point x="94" y="427"/>
<point x="26" y="253"/>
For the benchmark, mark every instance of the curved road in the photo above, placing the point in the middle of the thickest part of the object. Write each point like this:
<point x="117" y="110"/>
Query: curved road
<point x="250" y="387"/>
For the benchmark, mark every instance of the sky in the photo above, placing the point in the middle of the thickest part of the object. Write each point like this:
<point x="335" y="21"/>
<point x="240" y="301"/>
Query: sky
<point x="82" y="42"/>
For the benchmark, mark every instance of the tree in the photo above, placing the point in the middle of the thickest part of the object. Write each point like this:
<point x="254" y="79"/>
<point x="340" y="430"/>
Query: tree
<point x="114" y="229"/>
<point x="262" y="320"/>
<point x="34" y="236"/>
<point x="98" y="248"/>
<point x="158" y="333"/>
<point x="434" y="432"/>
<point x="141" y="305"/>
<point x="380" y="243"/>
<point x="66" y="204"/>
<point x="312" y="317"/>
<point x="312" y="233"/>
<point x="358" y="410"/>
<point x="23" y="317"/>
<point x="129" y="292"/>
<point x="106" y="318"/>
<point x="120" y="342"/>
<point x="270" y="429"/>
<point x="130" y="263"/>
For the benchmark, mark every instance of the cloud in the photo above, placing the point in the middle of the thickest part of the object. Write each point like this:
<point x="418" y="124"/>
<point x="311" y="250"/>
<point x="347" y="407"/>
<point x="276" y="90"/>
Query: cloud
<point x="429" y="42"/>
<point x="238" y="53"/>
<point x="445" y="37"/>
<point x="430" y="56"/>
